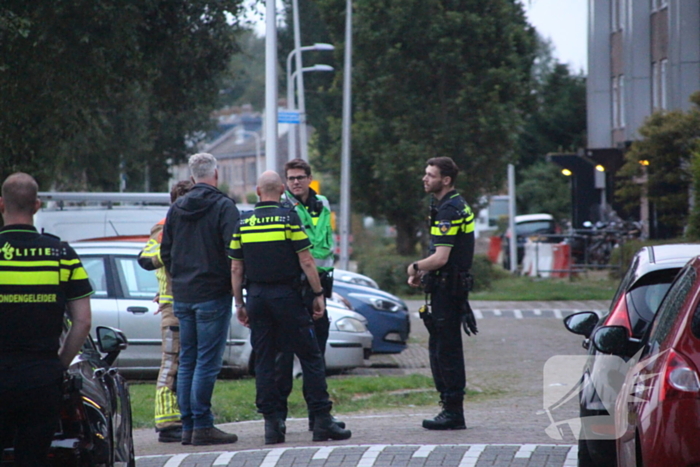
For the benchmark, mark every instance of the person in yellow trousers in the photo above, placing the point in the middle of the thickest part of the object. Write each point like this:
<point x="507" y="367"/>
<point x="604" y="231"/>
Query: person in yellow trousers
<point x="167" y="414"/>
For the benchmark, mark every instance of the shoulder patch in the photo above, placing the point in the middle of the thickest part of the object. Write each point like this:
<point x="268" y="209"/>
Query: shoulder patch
<point x="444" y="226"/>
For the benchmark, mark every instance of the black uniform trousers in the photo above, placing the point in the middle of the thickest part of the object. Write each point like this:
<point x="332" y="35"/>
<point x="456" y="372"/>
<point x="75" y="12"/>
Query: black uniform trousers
<point x="28" y="425"/>
<point x="284" y="365"/>
<point x="445" y="346"/>
<point x="279" y="322"/>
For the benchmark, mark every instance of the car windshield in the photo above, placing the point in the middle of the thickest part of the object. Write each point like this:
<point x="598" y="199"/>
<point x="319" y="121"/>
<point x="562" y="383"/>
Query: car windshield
<point x="529" y="228"/>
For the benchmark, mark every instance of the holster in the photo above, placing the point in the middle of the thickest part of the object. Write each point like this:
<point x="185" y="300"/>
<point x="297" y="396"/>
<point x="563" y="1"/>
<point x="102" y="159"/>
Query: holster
<point x="326" y="282"/>
<point x="429" y="282"/>
<point x="460" y="283"/>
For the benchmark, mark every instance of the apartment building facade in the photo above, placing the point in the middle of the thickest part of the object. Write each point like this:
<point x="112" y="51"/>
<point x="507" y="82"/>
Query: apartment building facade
<point x="643" y="56"/>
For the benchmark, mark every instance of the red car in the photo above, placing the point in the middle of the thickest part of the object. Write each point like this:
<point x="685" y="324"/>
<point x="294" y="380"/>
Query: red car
<point x="641" y="290"/>
<point x="657" y="413"/>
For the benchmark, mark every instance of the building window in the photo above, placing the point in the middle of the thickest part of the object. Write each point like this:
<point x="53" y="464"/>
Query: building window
<point x="237" y="175"/>
<point x="663" y="103"/>
<point x="621" y="100"/>
<point x="655" y="86"/>
<point x="658" y="4"/>
<point x="615" y="104"/>
<point x="617" y="14"/>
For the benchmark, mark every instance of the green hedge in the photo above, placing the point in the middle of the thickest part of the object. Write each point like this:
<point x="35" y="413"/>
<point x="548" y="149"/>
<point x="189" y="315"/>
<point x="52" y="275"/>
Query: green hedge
<point x="389" y="270"/>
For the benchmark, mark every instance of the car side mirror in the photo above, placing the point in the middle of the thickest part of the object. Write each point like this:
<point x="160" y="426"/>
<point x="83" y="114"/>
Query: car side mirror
<point x="110" y="341"/>
<point x="615" y="340"/>
<point x="582" y="323"/>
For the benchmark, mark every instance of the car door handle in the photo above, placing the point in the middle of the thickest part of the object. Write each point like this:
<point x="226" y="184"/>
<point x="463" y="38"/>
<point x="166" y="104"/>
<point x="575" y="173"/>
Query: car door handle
<point x="138" y="310"/>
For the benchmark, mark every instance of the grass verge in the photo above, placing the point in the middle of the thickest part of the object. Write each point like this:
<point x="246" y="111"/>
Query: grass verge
<point x="595" y="285"/>
<point x="234" y="400"/>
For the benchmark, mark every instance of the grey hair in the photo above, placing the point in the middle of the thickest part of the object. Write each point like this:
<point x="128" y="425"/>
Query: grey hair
<point x="202" y="166"/>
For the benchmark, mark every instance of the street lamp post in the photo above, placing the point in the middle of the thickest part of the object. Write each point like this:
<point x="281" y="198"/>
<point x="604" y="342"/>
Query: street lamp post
<point x="291" y="140"/>
<point x="290" y="95"/>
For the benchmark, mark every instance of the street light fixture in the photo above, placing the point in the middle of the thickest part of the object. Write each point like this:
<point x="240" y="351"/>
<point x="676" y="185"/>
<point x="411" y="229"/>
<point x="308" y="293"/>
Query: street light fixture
<point x="567" y="172"/>
<point x="291" y="140"/>
<point x="600" y="168"/>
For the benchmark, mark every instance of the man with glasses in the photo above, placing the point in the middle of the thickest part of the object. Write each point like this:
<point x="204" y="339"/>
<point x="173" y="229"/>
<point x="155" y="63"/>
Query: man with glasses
<point x="315" y="213"/>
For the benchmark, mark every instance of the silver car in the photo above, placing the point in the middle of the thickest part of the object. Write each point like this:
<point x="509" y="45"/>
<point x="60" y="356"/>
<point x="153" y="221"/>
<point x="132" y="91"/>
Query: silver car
<point x="123" y="299"/>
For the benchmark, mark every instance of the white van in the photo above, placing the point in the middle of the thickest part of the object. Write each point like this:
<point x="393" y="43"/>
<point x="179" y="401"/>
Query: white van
<point x="80" y="216"/>
<point x="83" y="216"/>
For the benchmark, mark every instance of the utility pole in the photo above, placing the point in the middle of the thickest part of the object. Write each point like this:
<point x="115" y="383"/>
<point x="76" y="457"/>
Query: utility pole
<point x="345" y="153"/>
<point x="271" y="85"/>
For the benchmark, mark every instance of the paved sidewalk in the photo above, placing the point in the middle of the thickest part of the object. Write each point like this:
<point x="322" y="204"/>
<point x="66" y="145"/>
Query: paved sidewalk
<point x="507" y="430"/>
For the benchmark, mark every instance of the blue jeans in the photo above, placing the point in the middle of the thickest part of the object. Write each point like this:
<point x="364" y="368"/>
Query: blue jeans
<point x="203" y="334"/>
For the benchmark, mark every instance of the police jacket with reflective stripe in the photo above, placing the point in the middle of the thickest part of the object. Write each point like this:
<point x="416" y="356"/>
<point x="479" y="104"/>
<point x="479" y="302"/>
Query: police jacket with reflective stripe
<point x="268" y="240"/>
<point x="452" y="225"/>
<point x="38" y="275"/>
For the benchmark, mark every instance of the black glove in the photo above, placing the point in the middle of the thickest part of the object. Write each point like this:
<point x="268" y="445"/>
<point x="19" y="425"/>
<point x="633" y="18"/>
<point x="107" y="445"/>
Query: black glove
<point x="468" y="320"/>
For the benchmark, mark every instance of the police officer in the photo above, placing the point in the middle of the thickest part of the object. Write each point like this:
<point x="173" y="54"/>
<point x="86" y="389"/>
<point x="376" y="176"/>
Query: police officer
<point x="167" y="414"/>
<point x="446" y="274"/>
<point x="40" y="279"/>
<point x="269" y="246"/>
<point x="314" y="211"/>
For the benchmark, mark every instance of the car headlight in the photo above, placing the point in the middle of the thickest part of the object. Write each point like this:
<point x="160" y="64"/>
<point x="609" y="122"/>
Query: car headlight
<point x="348" y="324"/>
<point x="378" y="303"/>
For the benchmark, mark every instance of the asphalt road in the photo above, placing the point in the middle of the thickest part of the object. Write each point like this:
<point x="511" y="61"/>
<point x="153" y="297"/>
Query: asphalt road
<point x="515" y="345"/>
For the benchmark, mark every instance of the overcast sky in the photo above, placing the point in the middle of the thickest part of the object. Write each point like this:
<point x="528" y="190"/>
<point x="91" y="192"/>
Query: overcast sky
<point x="565" y="23"/>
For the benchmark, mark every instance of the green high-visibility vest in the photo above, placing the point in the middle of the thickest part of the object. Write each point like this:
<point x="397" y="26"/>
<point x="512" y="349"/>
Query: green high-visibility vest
<point x="318" y="228"/>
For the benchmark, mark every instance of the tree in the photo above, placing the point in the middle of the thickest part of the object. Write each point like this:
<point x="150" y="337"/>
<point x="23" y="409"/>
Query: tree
<point x="542" y="189"/>
<point x="432" y="78"/>
<point x="89" y="85"/>
<point x="557" y="120"/>
<point x="660" y="164"/>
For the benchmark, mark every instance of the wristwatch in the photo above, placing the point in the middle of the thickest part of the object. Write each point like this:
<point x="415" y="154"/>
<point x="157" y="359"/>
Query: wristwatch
<point x="319" y="293"/>
<point x="415" y="266"/>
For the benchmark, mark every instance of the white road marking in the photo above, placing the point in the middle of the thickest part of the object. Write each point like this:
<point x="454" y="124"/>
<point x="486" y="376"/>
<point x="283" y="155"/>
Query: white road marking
<point x="537" y="312"/>
<point x="371" y="455"/>
<point x="471" y="457"/>
<point x="478" y="314"/>
<point x="557" y="314"/>
<point x="272" y="457"/>
<point x="572" y="457"/>
<point x="518" y="314"/>
<point x="424" y="451"/>
<point x="525" y="451"/>
<point x="176" y="460"/>
<point x="224" y="458"/>
<point x="497" y="313"/>
<point x="323" y="453"/>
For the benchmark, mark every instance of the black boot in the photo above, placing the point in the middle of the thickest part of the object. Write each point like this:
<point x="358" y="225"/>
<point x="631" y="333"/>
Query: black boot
<point x="283" y="422"/>
<point x="451" y="418"/>
<point x="325" y="429"/>
<point x="312" y="418"/>
<point x="274" y="429"/>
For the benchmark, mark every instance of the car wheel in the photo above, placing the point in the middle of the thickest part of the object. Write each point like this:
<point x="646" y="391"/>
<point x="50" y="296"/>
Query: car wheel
<point x="584" y="455"/>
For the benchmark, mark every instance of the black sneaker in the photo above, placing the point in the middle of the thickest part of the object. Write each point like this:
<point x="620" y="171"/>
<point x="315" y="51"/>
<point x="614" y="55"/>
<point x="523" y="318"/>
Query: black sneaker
<point x="212" y="435"/>
<point x="170" y="435"/>
<point x="446" y="420"/>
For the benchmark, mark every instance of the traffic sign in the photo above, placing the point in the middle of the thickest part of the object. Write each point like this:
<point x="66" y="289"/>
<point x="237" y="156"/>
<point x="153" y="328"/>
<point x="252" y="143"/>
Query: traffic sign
<point x="288" y="116"/>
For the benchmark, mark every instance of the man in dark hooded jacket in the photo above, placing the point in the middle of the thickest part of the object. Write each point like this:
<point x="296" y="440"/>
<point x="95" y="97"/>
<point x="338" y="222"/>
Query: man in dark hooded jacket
<point x="196" y="234"/>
